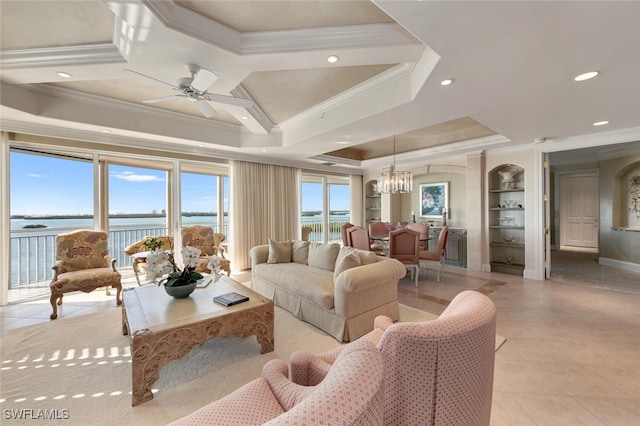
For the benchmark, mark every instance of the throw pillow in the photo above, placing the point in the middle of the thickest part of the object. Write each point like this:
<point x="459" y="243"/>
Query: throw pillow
<point x="279" y="252"/>
<point x="323" y="256"/>
<point x="300" y="251"/>
<point x="344" y="262"/>
<point x="367" y="257"/>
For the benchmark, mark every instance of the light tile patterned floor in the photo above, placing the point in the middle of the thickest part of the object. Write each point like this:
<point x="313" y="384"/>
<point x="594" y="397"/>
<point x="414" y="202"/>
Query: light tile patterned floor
<point x="571" y="356"/>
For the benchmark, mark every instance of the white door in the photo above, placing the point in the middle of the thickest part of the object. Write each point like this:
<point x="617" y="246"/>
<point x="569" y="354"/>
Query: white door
<point x="579" y="210"/>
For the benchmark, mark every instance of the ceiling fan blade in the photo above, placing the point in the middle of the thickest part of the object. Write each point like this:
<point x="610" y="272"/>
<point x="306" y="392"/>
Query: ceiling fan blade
<point x="202" y="80"/>
<point x="164" y="98"/>
<point x="231" y="100"/>
<point x="152" y="78"/>
<point x="205" y="108"/>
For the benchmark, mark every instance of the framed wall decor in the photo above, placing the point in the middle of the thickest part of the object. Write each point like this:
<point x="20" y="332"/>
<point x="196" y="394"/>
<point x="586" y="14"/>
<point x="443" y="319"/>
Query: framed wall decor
<point x="434" y="199"/>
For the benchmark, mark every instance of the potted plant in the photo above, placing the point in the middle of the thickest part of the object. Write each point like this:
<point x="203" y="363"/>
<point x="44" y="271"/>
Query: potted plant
<point x="178" y="283"/>
<point x="152" y="243"/>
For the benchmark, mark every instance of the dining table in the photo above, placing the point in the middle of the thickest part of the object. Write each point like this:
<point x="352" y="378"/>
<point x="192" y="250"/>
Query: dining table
<point x="384" y="239"/>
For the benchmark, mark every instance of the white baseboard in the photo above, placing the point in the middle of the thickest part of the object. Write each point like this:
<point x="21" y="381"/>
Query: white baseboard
<point x="486" y="267"/>
<point x="627" y="266"/>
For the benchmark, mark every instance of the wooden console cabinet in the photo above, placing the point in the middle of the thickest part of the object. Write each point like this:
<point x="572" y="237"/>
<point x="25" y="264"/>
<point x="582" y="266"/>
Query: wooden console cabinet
<point x="456" y="252"/>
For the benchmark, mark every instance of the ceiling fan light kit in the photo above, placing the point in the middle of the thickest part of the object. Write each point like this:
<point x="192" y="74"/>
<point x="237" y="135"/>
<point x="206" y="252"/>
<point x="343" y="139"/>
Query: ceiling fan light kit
<point x="195" y="89"/>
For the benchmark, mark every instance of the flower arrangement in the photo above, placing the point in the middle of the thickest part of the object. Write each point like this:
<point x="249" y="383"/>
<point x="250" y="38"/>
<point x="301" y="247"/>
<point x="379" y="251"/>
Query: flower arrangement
<point x="214" y="266"/>
<point x="188" y="275"/>
<point x="160" y="263"/>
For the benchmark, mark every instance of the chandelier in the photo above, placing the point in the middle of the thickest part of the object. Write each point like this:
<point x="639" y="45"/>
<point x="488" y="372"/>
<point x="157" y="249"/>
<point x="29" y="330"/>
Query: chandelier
<point x="392" y="181"/>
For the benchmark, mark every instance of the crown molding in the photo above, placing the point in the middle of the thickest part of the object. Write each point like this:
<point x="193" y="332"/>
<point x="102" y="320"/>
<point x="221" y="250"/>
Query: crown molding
<point x="416" y="159"/>
<point x="348" y="36"/>
<point x="255" y="111"/>
<point x="129" y="107"/>
<point x="386" y="78"/>
<point x="61" y="55"/>
<point x="188" y="22"/>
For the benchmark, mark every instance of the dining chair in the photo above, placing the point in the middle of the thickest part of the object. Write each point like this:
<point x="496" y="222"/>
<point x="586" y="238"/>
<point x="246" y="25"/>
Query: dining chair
<point x="358" y="237"/>
<point x="424" y="233"/>
<point x="343" y="229"/>
<point x="403" y="246"/>
<point x="439" y="254"/>
<point x="378" y="229"/>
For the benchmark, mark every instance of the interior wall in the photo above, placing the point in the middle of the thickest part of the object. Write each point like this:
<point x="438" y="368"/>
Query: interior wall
<point x="619" y="245"/>
<point x="457" y="179"/>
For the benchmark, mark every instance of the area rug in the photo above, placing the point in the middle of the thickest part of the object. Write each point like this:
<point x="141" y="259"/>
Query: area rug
<point x="77" y="371"/>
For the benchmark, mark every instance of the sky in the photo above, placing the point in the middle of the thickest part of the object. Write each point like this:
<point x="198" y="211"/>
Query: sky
<point x="42" y="185"/>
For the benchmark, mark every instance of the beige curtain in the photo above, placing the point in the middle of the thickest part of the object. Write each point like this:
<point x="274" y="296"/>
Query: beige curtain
<point x="356" y="202"/>
<point x="264" y="204"/>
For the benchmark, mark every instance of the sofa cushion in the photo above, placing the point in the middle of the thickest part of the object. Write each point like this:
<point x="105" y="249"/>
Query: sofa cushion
<point x="346" y="260"/>
<point x="323" y="256"/>
<point x="279" y="252"/>
<point x="312" y="284"/>
<point x="300" y="251"/>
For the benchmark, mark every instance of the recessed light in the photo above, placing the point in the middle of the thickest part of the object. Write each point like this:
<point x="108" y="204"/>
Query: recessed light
<point x="245" y="117"/>
<point x="265" y="150"/>
<point x="600" y="123"/>
<point x="342" y="142"/>
<point x="586" y="76"/>
<point x="63" y="74"/>
<point x="446" y="82"/>
<point x="106" y="131"/>
<point x="333" y="59"/>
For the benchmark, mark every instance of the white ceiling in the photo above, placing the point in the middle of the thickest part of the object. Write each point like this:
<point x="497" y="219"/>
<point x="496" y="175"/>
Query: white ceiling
<point x="513" y="65"/>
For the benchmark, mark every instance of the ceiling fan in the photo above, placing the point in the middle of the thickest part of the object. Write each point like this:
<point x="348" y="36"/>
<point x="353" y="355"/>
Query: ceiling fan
<point x="194" y="88"/>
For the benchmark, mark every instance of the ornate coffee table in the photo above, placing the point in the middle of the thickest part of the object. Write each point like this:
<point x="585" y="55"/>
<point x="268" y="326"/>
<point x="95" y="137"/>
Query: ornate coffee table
<point x="163" y="329"/>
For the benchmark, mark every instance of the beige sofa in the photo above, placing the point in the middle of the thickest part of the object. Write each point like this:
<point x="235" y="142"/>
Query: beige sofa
<point x="338" y="289"/>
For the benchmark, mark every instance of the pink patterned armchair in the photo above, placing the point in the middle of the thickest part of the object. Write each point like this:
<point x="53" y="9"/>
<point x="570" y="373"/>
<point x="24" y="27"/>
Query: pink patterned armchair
<point x="437" y="372"/>
<point x="351" y="394"/>
<point x="83" y="264"/>
<point x="203" y="238"/>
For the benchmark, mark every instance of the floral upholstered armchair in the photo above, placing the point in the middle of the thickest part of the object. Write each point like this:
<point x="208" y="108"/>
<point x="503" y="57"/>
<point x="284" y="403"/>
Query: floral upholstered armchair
<point x="202" y="237"/>
<point x="82" y="264"/>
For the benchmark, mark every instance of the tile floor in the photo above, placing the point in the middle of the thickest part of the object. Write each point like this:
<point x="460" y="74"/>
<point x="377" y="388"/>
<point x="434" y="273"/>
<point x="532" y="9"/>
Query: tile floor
<point x="572" y="355"/>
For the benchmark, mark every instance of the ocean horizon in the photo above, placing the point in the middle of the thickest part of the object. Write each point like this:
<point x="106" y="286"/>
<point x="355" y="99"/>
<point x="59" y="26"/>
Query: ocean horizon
<point x="32" y="248"/>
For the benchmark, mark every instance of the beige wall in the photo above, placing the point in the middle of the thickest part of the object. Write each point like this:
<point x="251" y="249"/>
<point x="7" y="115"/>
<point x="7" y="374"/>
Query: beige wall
<point x="619" y="238"/>
<point x="457" y="197"/>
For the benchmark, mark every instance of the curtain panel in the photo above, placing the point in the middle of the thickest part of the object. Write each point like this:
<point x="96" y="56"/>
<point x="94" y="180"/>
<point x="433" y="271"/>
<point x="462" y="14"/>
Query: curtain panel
<point x="356" y="204"/>
<point x="264" y="204"/>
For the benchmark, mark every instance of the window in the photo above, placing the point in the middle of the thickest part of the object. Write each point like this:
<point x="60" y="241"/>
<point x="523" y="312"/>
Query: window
<point x="325" y="206"/>
<point x="199" y="199"/>
<point x="50" y="194"/>
<point x="137" y="206"/>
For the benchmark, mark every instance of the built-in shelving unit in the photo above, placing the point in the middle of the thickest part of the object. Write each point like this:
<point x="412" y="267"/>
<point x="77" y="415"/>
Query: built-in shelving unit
<point x="506" y="219"/>
<point x="373" y="202"/>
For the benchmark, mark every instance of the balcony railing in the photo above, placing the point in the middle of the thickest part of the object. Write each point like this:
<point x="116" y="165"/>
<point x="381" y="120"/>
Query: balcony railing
<point x="33" y="250"/>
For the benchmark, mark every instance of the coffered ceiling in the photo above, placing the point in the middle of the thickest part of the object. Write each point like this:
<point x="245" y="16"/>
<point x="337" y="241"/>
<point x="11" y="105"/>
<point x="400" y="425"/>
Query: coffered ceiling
<point x="512" y="65"/>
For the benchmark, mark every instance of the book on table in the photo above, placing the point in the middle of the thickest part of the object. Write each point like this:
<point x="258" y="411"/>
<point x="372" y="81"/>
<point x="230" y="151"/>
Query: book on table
<point x="230" y="299"/>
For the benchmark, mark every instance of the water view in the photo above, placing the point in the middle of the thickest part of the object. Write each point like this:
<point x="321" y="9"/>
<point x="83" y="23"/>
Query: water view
<point x="33" y="237"/>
